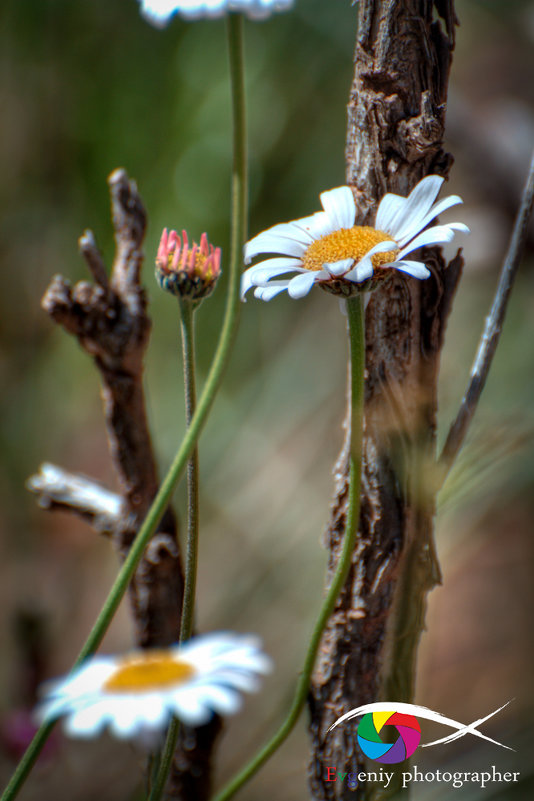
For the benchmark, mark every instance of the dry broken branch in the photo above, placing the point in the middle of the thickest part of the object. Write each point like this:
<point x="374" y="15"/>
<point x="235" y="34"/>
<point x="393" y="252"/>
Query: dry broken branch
<point x="110" y="321"/>
<point x="57" y="488"/>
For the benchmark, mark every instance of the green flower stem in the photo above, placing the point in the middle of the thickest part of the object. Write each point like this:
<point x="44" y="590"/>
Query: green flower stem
<point x="213" y="381"/>
<point x="357" y="362"/>
<point x="167" y="755"/>
<point x="187" y="311"/>
<point x="191" y="557"/>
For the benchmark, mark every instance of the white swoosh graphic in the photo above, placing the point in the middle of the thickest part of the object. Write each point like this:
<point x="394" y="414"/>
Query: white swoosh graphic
<point x="428" y="714"/>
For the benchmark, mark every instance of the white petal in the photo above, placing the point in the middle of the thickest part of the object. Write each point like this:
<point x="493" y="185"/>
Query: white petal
<point x="339" y="206"/>
<point x="435" y="211"/>
<point x="190" y="708"/>
<point x="242" y="659"/>
<point x="244" y="681"/>
<point x="270" y="292"/>
<point x="361" y="272"/>
<point x="292" y="230"/>
<point x="220" y="699"/>
<point x="154" y="709"/>
<point x="437" y="235"/>
<point x="457" y="226"/>
<point x="202" y="650"/>
<point x="86" y="722"/>
<point x="262" y="272"/>
<point x="264" y="291"/>
<point x="273" y="243"/>
<point x="417" y="205"/>
<point x="272" y="268"/>
<point x="246" y="281"/>
<point x="195" y="9"/>
<point x="381" y="247"/>
<point x="316" y="225"/>
<point x="127" y="718"/>
<point x="389" y="207"/>
<point x="364" y="268"/>
<point x="88" y="678"/>
<point x="158" y="12"/>
<point x="260" y="9"/>
<point x="339" y="267"/>
<point x="299" y="286"/>
<point x="415" y="268"/>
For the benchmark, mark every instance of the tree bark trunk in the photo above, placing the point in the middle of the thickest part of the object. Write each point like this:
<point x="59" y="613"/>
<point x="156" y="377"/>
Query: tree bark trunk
<point x="396" y="117"/>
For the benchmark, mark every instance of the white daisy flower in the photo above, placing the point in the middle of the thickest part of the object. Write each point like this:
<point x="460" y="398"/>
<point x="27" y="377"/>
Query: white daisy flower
<point x="159" y="12"/>
<point x="136" y="694"/>
<point x="328" y="249"/>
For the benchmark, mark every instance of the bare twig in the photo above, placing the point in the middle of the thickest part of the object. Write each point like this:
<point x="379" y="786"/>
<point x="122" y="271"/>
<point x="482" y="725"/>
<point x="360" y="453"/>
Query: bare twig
<point x="59" y="489"/>
<point x="111" y="323"/>
<point x="492" y="331"/>
<point x="93" y="257"/>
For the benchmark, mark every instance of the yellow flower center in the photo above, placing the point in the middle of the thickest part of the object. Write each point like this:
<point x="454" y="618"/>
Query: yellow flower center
<point x="199" y="265"/>
<point x="152" y="671"/>
<point x="347" y="243"/>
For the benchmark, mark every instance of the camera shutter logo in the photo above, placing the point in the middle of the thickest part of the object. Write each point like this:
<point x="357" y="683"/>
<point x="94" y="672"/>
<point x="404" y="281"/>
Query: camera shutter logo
<point x="369" y="740"/>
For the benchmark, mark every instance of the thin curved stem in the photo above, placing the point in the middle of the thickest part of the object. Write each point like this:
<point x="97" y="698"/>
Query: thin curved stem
<point x="357" y="361"/>
<point x="167" y="755"/>
<point x="187" y="320"/>
<point x="191" y="556"/>
<point x="213" y="381"/>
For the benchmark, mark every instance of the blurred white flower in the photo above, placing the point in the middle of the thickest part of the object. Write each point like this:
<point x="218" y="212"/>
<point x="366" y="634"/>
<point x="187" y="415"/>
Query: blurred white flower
<point x="328" y="249"/>
<point x="159" y="12"/>
<point x="136" y="694"/>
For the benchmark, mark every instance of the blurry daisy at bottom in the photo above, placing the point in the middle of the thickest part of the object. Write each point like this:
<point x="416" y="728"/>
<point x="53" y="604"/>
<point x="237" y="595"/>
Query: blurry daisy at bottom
<point x="136" y="694"/>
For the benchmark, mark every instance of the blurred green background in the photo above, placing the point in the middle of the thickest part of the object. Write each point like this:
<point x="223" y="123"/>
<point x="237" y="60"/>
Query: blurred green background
<point x="87" y="87"/>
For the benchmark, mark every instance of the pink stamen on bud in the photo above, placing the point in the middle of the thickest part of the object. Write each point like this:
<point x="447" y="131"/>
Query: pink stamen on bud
<point x="177" y="251"/>
<point x="189" y="270"/>
<point x="162" y="249"/>
<point x="173" y="240"/>
<point x="192" y="259"/>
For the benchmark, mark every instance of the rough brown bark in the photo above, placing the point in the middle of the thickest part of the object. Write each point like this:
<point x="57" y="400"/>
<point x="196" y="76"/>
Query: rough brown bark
<point x="110" y="320"/>
<point x="396" y="119"/>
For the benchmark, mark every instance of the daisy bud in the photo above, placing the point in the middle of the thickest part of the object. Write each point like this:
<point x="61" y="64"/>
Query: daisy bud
<point x="188" y="271"/>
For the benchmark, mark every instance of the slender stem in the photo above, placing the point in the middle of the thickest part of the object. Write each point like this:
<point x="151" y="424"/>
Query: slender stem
<point x="213" y="381"/>
<point x="356" y="317"/>
<point x="187" y="313"/>
<point x="191" y="558"/>
<point x="492" y="331"/>
<point x="188" y="608"/>
<point x="167" y="755"/>
<point x="357" y="361"/>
